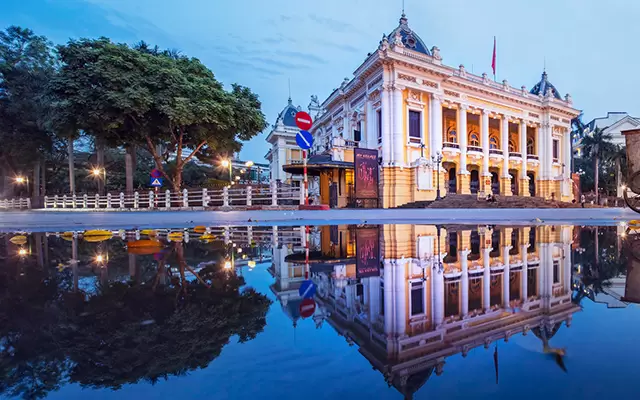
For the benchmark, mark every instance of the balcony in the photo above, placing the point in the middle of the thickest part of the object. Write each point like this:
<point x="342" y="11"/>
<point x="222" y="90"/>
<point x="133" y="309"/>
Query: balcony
<point x="351" y="143"/>
<point x="474" y="148"/>
<point x="515" y="154"/>
<point x="450" y="145"/>
<point x="532" y="157"/>
<point x="495" y="151"/>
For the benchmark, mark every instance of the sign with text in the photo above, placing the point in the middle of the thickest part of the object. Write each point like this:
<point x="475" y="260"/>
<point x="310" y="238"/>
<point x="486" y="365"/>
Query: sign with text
<point x="366" y="173"/>
<point x="367" y="252"/>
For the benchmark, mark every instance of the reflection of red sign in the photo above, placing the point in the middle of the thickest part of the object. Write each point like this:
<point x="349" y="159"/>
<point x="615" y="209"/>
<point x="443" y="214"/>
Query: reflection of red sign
<point x="307" y="308"/>
<point x="366" y="173"/>
<point x="367" y="252"/>
<point x="155" y="173"/>
<point x="303" y="120"/>
<point x="487" y="181"/>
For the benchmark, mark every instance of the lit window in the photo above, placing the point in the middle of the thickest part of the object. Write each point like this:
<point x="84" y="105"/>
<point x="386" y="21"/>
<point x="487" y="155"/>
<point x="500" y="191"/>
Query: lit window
<point x="493" y="142"/>
<point x="474" y="139"/>
<point x="452" y="135"/>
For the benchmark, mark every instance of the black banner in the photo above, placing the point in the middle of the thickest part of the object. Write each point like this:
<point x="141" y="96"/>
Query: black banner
<point x="367" y="252"/>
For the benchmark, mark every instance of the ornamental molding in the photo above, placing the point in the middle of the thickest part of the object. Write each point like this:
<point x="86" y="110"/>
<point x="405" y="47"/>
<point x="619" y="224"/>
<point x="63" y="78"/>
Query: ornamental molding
<point x="495" y="105"/>
<point x="451" y="93"/>
<point x="408" y="78"/>
<point x="377" y="104"/>
<point x="374" y="96"/>
<point x="430" y="83"/>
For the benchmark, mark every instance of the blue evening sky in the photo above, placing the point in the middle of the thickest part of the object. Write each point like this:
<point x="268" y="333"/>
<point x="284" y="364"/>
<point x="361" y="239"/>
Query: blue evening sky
<point x="316" y="44"/>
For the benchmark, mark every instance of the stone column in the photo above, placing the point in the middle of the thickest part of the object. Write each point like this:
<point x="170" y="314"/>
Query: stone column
<point x="523" y="182"/>
<point x="388" y="298"/>
<point x="385" y="105"/>
<point x="400" y="298"/>
<point x="486" y="280"/>
<point x="463" y="173"/>
<point x="566" y="160"/>
<point x="566" y="267"/>
<point x="464" y="283"/>
<point x="542" y="170"/>
<point x="398" y="131"/>
<point x="438" y="294"/>
<point x="523" y="274"/>
<point x="435" y="116"/>
<point x="485" y="152"/>
<point x="505" y="179"/>
<point x="369" y="130"/>
<point x="506" y="289"/>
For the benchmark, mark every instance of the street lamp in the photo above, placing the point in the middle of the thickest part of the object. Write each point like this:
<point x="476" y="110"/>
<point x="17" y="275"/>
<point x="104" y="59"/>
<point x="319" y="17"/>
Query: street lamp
<point x="227" y="164"/>
<point x="96" y="172"/>
<point x="437" y="159"/>
<point x="20" y="179"/>
<point x="249" y="164"/>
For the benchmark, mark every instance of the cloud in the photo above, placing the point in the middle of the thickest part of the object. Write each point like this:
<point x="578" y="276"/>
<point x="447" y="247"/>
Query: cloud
<point x="278" y="63"/>
<point x="335" y="25"/>
<point x="301" y="55"/>
<point x="249" y="67"/>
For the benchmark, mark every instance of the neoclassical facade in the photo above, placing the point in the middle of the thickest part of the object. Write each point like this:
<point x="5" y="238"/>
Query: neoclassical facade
<point x="406" y="103"/>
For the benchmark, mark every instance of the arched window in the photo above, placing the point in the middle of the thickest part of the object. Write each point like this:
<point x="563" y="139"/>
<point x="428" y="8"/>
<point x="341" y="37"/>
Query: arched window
<point x="452" y="135"/>
<point x="474" y="139"/>
<point x="493" y="142"/>
<point x="530" y="146"/>
<point x="512" y="146"/>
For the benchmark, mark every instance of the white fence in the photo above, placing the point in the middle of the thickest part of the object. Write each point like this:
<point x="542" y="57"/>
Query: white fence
<point x="227" y="197"/>
<point x="15" y="204"/>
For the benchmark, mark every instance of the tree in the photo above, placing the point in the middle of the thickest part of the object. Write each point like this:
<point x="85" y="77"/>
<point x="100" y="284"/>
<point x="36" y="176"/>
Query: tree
<point x="577" y="132"/>
<point x="171" y="104"/>
<point x="27" y="64"/>
<point x="596" y="147"/>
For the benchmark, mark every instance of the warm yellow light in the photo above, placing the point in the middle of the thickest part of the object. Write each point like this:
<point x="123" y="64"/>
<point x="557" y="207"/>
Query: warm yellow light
<point x="227" y="264"/>
<point x="623" y="234"/>
<point x="237" y="178"/>
<point x="251" y="264"/>
<point x="249" y="164"/>
<point x="20" y="179"/>
<point x="22" y="252"/>
<point x="242" y="171"/>
<point x="99" y="258"/>
<point x="96" y="171"/>
<point x="224" y="163"/>
<point x="623" y="187"/>
<point x="239" y="250"/>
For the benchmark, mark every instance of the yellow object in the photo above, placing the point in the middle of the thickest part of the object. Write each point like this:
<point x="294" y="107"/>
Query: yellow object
<point x="207" y="236"/>
<point x="97" y="233"/>
<point x="144" y="243"/>
<point x="96" y="239"/>
<point x="175" y="236"/>
<point x="634" y="223"/>
<point x="200" y="229"/>
<point x="67" y="235"/>
<point x="18" y="239"/>
<point x="144" y="247"/>
<point x="148" y="232"/>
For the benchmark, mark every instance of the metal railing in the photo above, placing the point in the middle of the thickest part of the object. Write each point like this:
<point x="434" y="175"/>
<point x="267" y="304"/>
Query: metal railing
<point x="15" y="204"/>
<point x="474" y="148"/>
<point x="451" y="145"/>
<point x="495" y="151"/>
<point x="272" y="195"/>
<point x="532" y="157"/>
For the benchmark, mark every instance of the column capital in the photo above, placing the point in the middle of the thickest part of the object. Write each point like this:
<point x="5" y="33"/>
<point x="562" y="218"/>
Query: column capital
<point x="486" y="112"/>
<point x="436" y="96"/>
<point x="463" y="106"/>
<point x="397" y="86"/>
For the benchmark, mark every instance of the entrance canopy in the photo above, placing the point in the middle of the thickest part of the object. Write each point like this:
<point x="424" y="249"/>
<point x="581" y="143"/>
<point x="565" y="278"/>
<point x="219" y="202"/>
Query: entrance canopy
<point x="316" y="164"/>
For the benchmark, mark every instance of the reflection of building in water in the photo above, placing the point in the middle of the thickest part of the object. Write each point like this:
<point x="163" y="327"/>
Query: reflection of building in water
<point x="491" y="284"/>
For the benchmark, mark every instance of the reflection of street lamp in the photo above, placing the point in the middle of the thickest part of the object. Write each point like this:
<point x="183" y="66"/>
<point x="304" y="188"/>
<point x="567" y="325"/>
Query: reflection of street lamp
<point x="20" y="179"/>
<point x="237" y="178"/>
<point x="227" y="164"/>
<point x="437" y="159"/>
<point x="22" y="252"/>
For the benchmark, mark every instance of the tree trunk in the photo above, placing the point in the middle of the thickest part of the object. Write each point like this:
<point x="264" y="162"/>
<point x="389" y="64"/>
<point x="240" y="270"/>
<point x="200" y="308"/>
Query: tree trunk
<point x="43" y="177"/>
<point x="36" y="180"/>
<point x="101" y="166"/>
<point x="596" y="176"/>
<point x="128" y="162"/>
<point x="72" y="172"/>
<point x="597" y="244"/>
<point x="618" y="179"/>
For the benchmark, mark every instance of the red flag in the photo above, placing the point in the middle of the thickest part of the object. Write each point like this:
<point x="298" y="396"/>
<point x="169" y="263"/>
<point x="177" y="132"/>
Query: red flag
<point x="493" y="59"/>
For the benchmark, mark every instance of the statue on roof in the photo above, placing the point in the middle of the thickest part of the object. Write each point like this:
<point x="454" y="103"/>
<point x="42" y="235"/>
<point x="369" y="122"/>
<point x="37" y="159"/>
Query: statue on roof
<point x="435" y="52"/>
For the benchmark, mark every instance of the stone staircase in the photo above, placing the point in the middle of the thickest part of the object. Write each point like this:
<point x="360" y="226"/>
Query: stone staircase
<point x="471" y="201"/>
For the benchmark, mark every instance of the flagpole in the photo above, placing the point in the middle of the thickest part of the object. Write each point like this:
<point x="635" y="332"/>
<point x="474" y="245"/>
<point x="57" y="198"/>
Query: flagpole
<point x="493" y="60"/>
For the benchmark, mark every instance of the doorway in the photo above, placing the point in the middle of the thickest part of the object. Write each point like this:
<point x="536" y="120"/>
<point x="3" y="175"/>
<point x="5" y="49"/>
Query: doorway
<point x="474" y="182"/>
<point x="453" y="180"/>
<point x="495" y="183"/>
<point x="532" y="183"/>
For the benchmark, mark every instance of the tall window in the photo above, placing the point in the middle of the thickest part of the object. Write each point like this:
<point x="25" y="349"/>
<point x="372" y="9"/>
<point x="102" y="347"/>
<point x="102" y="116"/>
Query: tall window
<point x="512" y="146"/>
<point x="556" y="272"/>
<point x="556" y="149"/>
<point x="474" y="139"/>
<point x="414" y="125"/>
<point x="379" y="125"/>
<point x="531" y="146"/>
<point x="417" y="298"/>
<point x="493" y="142"/>
<point x="452" y="135"/>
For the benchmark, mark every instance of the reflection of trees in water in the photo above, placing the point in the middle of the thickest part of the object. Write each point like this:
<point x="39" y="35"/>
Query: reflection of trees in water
<point x="602" y="257"/>
<point x="125" y="332"/>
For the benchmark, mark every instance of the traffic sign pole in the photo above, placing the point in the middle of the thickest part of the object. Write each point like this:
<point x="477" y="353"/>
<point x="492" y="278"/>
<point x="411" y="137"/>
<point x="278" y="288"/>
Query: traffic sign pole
<point x="306" y="253"/>
<point x="306" y="182"/>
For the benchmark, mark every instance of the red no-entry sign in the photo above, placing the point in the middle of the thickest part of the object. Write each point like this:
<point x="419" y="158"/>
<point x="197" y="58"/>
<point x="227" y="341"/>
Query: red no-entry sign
<point x="303" y="120"/>
<point x="307" y="308"/>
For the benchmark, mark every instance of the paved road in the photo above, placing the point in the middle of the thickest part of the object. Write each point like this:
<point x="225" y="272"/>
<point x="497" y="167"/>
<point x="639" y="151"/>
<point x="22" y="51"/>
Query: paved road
<point x="58" y="221"/>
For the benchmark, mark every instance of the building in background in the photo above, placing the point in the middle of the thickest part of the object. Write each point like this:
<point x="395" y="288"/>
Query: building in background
<point x="613" y="124"/>
<point x="404" y="102"/>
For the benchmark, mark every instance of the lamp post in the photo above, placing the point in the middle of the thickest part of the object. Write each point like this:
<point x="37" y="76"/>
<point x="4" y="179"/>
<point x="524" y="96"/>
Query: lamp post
<point x="225" y="164"/>
<point x="437" y="159"/>
<point x="249" y="164"/>
<point x="21" y="180"/>
<point x="96" y="172"/>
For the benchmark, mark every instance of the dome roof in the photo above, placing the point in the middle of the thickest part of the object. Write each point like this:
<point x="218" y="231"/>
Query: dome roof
<point x="409" y="38"/>
<point x="544" y="85"/>
<point x="288" y="115"/>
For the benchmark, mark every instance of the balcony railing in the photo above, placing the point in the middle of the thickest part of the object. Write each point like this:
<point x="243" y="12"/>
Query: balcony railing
<point x="495" y="151"/>
<point x="515" y="154"/>
<point x="351" y="143"/>
<point x="451" y="145"/>
<point x="532" y="157"/>
<point x="474" y="148"/>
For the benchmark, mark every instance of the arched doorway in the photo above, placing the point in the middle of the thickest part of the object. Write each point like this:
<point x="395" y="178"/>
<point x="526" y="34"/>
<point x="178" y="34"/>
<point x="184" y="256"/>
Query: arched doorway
<point x="532" y="183"/>
<point x="453" y="179"/>
<point x="514" y="182"/>
<point x="474" y="181"/>
<point x="495" y="183"/>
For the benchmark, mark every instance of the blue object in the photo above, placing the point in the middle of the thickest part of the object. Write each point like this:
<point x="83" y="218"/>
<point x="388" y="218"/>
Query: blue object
<point x="307" y="289"/>
<point x="304" y="140"/>
<point x="155" y="182"/>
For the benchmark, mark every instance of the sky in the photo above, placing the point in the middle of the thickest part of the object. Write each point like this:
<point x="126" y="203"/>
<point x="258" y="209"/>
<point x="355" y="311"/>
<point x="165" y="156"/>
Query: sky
<point x="588" y="46"/>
